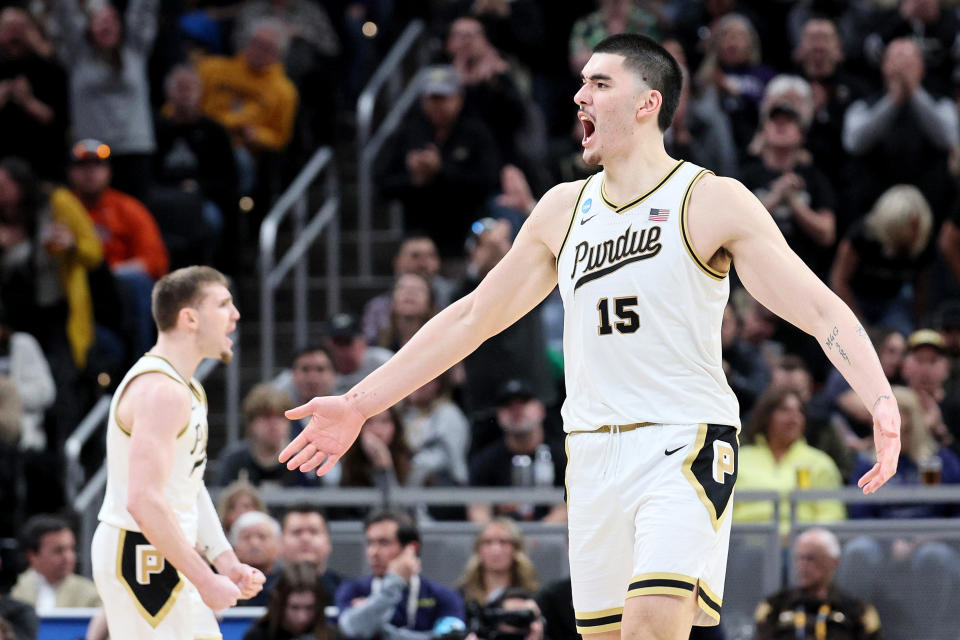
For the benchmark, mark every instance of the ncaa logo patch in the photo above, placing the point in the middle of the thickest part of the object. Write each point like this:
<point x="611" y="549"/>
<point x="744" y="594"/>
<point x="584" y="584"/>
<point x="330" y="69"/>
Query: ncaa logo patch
<point x="586" y="205"/>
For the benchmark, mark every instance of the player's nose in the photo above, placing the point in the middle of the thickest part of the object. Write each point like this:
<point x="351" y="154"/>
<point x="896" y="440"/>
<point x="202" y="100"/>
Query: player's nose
<point x="582" y="96"/>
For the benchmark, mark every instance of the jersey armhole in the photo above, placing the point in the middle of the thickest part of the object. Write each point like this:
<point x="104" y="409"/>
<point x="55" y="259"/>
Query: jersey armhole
<point x="573" y="217"/>
<point x="116" y="410"/>
<point x="685" y="230"/>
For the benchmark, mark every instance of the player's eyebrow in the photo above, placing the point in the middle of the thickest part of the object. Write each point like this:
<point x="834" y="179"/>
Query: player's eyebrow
<point x="595" y="77"/>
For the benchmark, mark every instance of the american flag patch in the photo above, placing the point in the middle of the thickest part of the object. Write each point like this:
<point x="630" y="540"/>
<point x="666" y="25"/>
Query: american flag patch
<point x="659" y="215"/>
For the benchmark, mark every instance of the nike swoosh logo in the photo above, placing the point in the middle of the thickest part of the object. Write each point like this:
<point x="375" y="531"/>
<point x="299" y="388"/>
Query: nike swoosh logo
<point x="669" y="452"/>
<point x="586" y="220"/>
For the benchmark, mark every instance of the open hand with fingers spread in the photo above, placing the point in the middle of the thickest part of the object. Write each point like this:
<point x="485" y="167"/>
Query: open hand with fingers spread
<point x="334" y="426"/>
<point x="886" y="437"/>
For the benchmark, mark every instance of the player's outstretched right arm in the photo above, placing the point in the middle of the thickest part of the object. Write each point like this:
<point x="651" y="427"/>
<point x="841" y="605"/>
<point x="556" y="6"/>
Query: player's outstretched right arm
<point x="155" y="408"/>
<point x="515" y="286"/>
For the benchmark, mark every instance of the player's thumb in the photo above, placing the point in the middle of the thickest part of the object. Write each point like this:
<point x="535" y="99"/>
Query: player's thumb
<point x="298" y="412"/>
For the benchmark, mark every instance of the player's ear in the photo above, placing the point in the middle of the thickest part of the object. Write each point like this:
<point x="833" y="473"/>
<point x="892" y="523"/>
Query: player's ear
<point x="188" y="316"/>
<point x="649" y="104"/>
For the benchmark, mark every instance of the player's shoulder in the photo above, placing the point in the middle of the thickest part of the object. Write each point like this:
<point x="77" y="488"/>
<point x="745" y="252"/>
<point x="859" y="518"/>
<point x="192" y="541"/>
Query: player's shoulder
<point x="711" y="187"/>
<point x="723" y="203"/>
<point x="158" y="388"/>
<point x="562" y="196"/>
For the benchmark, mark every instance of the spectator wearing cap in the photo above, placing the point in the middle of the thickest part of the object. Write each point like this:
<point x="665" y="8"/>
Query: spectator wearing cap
<point x="353" y="358"/>
<point x="794" y="191"/>
<point x="132" y="244"/>
<point x="33" y="96"/>
<point x="902" y="135"/>
<point x="255" y="537"/>
<point x="195" y="157"/>
<point x="881" y="266"/>
<point x="925" y="370"/>
<point x="267" y="431"/>
<point x="106" y="58"/>
<point x="252" y="97"/>
<point x="417" y="254"/>
<point x="515" y="458"/>
<point x="441" y="157"/>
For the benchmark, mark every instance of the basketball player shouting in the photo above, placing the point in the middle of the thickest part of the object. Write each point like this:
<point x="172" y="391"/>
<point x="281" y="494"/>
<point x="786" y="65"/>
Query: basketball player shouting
<point x="641" y="253"/>
<point x="156" y="511"/>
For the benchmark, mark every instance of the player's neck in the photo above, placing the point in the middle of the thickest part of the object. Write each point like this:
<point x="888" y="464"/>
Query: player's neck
<point x="179" y="352"/>
<point x="637" y="172"/>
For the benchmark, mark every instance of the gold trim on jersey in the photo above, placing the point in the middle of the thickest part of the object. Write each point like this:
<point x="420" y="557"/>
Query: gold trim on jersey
<point x="153" y="621"/>
<point x="116" y="417"/>
<point x="687" y="469"/>
<point x="598" y="621"/>
<point x="199" y="395"/>
<point x="685" y="230"/>
<point x="607" y="428"/>
<point x="618" y="208"/>
<point x="573" y="216"/>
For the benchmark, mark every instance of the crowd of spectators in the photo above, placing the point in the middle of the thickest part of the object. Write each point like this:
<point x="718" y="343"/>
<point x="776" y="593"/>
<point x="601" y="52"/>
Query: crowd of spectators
<point x="138" y="137"/>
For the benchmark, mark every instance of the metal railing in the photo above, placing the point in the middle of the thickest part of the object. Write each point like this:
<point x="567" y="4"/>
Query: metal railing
<point x="273" y="271"/>
<point x="387" y="78"/>
<point x="86" y="500"/>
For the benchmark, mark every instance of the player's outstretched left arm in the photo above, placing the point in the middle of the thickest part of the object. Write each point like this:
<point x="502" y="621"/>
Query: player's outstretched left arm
<point x="725" y="214"/>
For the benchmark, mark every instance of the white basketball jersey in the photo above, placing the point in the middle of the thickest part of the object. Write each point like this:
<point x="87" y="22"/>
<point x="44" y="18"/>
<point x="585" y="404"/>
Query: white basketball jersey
<point x="642" y="312"/>
<point x="189" y="463"/>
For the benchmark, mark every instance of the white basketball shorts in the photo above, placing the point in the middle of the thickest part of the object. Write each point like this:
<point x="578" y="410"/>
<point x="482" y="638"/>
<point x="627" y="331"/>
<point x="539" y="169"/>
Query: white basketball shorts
<point x="649" y="513"/>
<point x="143" y="595"/>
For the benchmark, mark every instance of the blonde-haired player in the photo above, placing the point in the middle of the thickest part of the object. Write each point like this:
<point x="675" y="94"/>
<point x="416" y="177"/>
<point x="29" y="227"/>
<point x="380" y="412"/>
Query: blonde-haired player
<point x="641" y="252"/>
<point x="156" y="513"/>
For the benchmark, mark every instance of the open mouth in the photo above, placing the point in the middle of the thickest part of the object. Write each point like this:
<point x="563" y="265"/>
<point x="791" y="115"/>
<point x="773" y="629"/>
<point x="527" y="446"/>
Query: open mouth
<point x="589" y="128"/>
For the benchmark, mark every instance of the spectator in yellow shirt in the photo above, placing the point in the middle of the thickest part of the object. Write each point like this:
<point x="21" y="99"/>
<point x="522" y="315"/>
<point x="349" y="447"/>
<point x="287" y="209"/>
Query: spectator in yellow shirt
<point x="251" y="95"/>
<point x="777" y="458"/>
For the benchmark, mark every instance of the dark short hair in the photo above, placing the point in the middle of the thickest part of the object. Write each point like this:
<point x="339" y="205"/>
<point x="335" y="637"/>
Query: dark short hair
<point x="304" y="507"/>
<point x="407" y="531"/>
<point x="653" y="64"/>
<point x="39" y="526"/>
<point x="313" y="348"/>
<point x="512" y="593"/>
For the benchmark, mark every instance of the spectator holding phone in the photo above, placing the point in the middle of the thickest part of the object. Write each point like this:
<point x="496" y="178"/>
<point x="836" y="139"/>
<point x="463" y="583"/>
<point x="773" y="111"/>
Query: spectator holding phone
<point x="395" y="601"/>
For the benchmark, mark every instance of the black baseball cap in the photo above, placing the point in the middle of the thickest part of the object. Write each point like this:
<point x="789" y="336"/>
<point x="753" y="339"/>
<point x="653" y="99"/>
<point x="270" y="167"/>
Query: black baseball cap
<point x="344" y="325"/>
<point x="515" y="389"/>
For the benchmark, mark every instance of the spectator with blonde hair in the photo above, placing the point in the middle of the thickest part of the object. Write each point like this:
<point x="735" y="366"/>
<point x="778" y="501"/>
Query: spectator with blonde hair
<point x="236" y="499"/>
<point x="880" y="266"/>
<point x="498" y="563"/>
<point x="267" y="431"/>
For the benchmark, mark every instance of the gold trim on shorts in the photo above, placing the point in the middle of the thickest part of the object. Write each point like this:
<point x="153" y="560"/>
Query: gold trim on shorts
<point x="676" y="584"/>
<point x="607" y="428"/>
<point x="598" y="621"/>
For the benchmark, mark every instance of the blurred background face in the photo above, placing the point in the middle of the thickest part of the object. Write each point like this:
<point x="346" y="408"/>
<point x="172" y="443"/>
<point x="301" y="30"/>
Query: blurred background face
<point x="411" y="296"/>
<point x="14" y="24"/>
<point x="797" y="380"/>
<point x="521" y="416"/>
<point x="733" y="46"/>
<point x="891" y="353"/>
<point x="263" y="49"/>
<point x="442" y="111"/>
<point x="105" y="28"/>
<point x="925" y="368"/>
<point x="381" y="426"/>
<point x="348" y="352"/>
<point x="426" y="394"/>
<point x="465" y="38"/>
<point x="298" y="614"/>
<point x="306" y="539"/>
<point x="786" y="422"/>
<point x="382" y="546"/>
<point x="258" y="546"/>
<point x="89" y="178"/>
<point x="901" y="54"/>
<point x="536" y="627"/>
<point x="819" y="50"/>
<point x="495" y="548"/>
<point x="313" y="375"/>
<point x="813" y="565"/>
<point x="239" y="505"/>
<point x="269" y="432"/>
<point x="185" y="90"/>
<point x="419" y="256"/>
<point x="10" y="192"/>
<point x="782" y="131"/>
<point x="56" y="557"/>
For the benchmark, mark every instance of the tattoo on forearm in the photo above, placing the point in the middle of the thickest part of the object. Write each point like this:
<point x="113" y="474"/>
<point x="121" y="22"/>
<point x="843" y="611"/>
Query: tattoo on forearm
<point x="832" y="338"/>
<point x="877" y="401"/>
<point x="860" y="331"/>
<point x="843" y="354"/>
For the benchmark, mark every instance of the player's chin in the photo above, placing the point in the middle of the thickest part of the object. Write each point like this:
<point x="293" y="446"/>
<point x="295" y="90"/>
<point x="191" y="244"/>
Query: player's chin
<point x="591" y="158"/>
<point x="226" y="356"/>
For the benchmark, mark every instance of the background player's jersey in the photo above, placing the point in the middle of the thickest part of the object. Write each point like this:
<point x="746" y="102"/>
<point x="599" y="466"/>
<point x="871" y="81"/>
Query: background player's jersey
<point x="189" y="463"/>
<point x="641" y="333"/>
